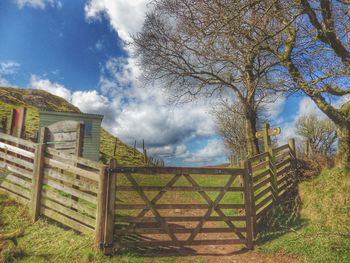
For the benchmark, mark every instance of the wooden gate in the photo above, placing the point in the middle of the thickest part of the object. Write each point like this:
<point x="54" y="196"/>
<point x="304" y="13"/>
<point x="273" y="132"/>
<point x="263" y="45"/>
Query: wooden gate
<point x="168" y="206"/>
<point x="67" y="137"/>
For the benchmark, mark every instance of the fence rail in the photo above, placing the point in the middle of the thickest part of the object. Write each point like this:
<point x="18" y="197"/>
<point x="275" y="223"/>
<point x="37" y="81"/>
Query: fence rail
<point x="62" y="187"/>
<point x="145" y="206"/>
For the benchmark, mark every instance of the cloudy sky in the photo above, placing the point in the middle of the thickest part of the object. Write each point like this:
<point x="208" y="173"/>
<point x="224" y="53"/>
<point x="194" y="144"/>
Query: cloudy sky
<point x="77" y="50"/>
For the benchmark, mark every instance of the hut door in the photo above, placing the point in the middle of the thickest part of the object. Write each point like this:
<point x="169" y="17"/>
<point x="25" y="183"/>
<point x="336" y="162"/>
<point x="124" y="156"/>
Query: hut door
<point x="67" y="137"/>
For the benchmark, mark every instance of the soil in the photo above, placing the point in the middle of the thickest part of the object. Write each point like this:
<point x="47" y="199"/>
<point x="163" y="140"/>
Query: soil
<point x="211" y="254"/>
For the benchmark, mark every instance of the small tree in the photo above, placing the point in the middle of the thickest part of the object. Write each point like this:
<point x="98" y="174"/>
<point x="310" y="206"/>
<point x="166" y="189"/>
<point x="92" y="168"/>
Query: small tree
<point x="230" y="124"/>
<point x="319" y="132"/>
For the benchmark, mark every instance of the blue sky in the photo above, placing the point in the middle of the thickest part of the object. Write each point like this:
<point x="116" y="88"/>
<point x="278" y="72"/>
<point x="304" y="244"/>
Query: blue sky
<point x="76" y="49"/>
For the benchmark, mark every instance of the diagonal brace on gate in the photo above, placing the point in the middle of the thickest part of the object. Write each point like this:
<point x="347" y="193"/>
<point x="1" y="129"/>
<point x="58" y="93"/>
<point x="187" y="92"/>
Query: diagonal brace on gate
<point x="151" y="206"/>
<point x="210" y="203"/>
<point x="171" y="182"/>
<point x="212" y="206"/>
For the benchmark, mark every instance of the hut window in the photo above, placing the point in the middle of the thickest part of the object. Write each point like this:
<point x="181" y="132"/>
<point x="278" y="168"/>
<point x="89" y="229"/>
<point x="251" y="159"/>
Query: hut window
<point x="88" y="128"/>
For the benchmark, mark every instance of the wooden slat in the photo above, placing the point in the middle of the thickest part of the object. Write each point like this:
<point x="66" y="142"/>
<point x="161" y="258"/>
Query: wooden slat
<point x="261" y="184"/>
<point x="19" y="181"/>
<point x="284" y="186"/>
<point x="75" y="159"/>
<point x="48" y="193"/>
<point x="65" y="220"/>
<point x="284" y="162"/>
<point x="179" y="188"/>
<point x="264" y="211"/>
<point x="15" y="197"/>
<point x="281" y="148"/>
<point x="68" y="212"/>
<point x="65" y="145"/>
<point x="69" y="190"/>
<point x="260" y="166"/>
<point x="262" y="193"/>
<point x="258" y="177"/>
<point x="263" y="202"/>
<point x="16" y="170"/>
<point x="175" y="219"/>
<point x="258" y="157"/>
<point x="63" y="136"/>
<point x="16" y="150"/>
<point x="16" y="140"/>
<point x="16" y="160"/>
<point x="84" y="185"/>
<point x="132" y="244"/>
<point x="285" y="178"/>
<point x="284" y="170"/>
<point x="178" y="206"/>
<point x="178" y="230"/>
<point x="178" y="170"/>
<point x="72" y="169"/>
<point x="16" y="189"/>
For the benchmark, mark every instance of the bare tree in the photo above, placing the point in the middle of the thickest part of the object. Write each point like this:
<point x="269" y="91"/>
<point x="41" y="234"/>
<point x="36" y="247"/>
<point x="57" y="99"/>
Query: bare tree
<point x="202" y="47"/>
<point x="319" y="132"/>
<point x="230" y="123"/>
<point x="311" y="40"/>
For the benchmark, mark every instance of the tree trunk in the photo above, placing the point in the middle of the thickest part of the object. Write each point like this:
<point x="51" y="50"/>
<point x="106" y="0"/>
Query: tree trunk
<point x="342" y="158"/>
<point x="250" y="129"/>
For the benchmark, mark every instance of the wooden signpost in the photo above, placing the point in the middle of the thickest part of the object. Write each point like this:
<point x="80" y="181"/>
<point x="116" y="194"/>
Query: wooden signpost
<point x="266" y="134"/>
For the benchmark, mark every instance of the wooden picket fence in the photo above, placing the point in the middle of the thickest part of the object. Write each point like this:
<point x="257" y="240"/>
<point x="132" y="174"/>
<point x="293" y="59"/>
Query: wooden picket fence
<point x="146" y="206"/>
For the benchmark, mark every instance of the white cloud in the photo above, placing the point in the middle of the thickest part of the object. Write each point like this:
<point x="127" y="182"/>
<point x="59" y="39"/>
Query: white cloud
<point x="39" y="4"/>
<point x="54" y="88"/>
<point x="7" y="68"/>
<point x="213" y="151"/>
<point x="126" y="17"/>
<point x="274" y="107"/>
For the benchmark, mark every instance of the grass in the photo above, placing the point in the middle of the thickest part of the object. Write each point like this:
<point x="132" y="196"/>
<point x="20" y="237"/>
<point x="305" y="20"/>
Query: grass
<point x="317" y="226"/>
<point x="46" y="241"/>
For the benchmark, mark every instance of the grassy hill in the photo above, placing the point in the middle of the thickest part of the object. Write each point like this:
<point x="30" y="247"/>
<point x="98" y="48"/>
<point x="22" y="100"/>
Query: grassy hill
<point x="317" y="227"/>
<point x="36" y="100"/>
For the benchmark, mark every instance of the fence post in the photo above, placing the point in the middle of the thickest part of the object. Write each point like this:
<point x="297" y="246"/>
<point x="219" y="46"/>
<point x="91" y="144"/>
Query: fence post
<point x="291" y="143"/>
<point x="110" y="200"/>
<point x="38" y="174"/>
<point x="271" y="157"/>
<point x="249" y="204"/>
<point x="101" y="207"/>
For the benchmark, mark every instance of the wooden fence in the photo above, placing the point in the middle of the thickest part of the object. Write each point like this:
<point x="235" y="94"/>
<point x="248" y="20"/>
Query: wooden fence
<point x="59" y="186"/>
<point x="145" y="206"/>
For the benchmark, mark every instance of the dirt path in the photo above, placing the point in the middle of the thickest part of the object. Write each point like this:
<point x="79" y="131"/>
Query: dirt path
<point x="211" y="254"/>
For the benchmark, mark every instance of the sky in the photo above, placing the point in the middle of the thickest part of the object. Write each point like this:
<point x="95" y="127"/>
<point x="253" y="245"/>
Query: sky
<point x="78" y="50"/>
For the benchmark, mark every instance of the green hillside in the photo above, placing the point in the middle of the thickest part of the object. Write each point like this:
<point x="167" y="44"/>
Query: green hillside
<point x="316" y="229"/>
<point x="36" y="100"/>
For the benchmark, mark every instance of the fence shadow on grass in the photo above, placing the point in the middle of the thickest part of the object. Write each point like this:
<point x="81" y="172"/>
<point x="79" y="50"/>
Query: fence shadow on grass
<point x="284" y="217"/>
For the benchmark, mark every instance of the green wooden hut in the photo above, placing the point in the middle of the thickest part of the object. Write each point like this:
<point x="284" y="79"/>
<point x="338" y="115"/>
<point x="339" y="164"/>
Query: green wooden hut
<point x="92" y="126"/>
